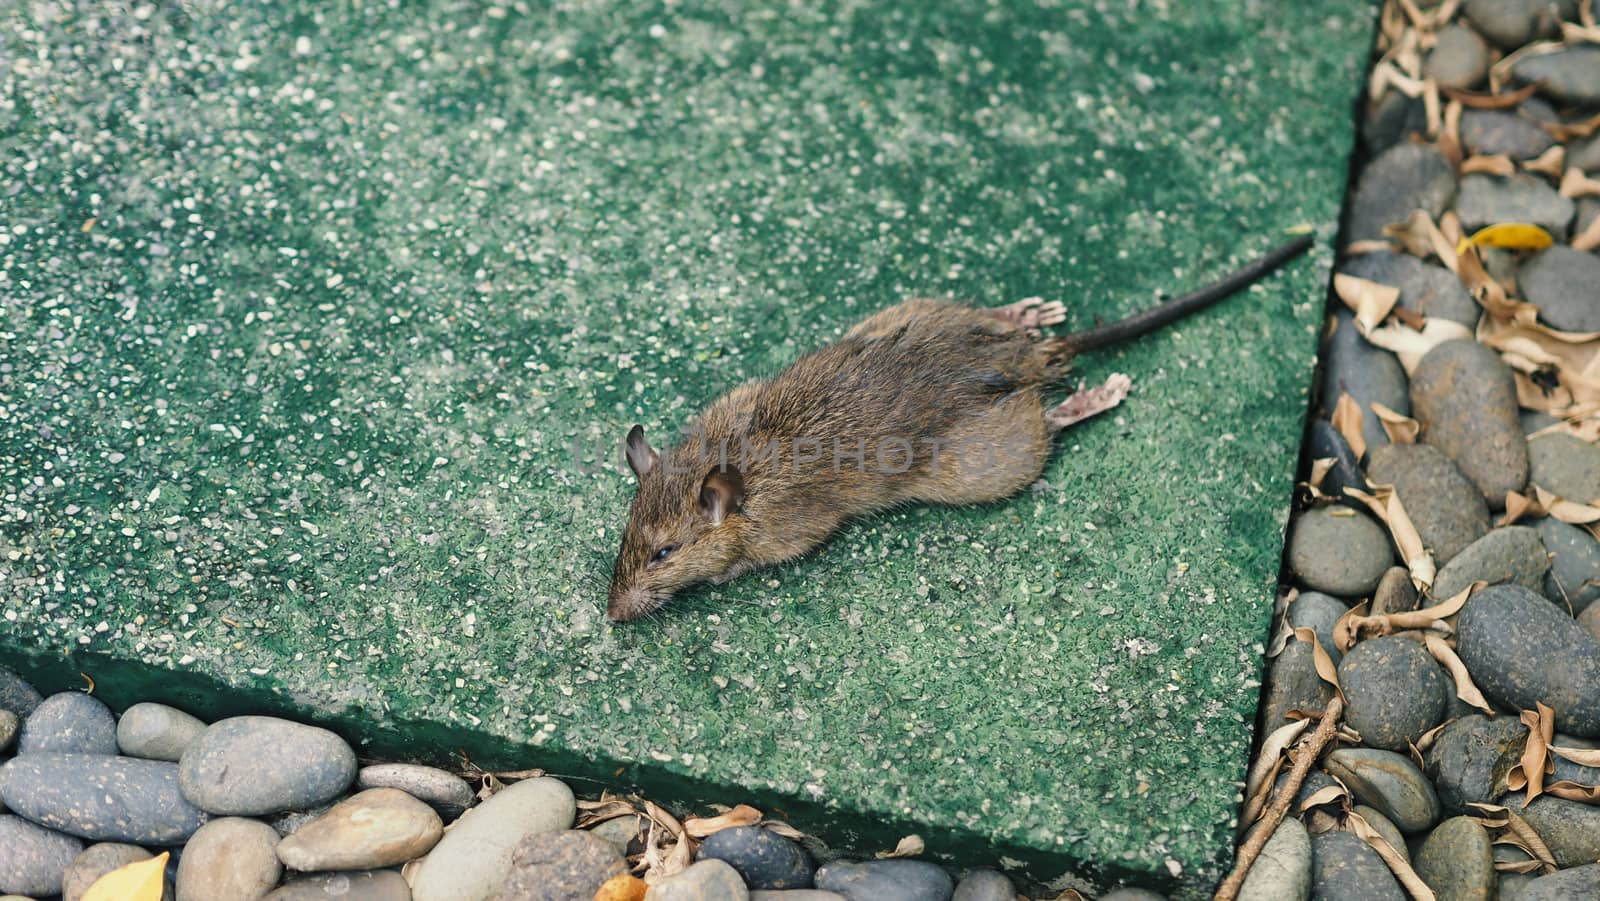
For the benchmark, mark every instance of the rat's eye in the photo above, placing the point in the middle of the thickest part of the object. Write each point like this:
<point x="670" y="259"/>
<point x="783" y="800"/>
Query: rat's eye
<point x="664" y="553"/>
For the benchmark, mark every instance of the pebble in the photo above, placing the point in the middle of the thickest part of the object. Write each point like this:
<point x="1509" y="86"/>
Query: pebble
<point x="1565" y="885"/>
<point x="289" y="822"/>
<point x="33" y="859"/>
<point x="1469" y="759"/>
<point x="1320" y="613"/>
<point x="619" y="831"/>
<point x="16" y="695"/>
<point x="447" y="793"/>
<point x="1510" y="884"/>
<point x="71" y="722"/>
<point x="1569" y="829"/>
<point x="1510" y="554"/>
<point x="1585" y="154"/>
<point x="1403" y="178"/>
<point x="1368" y="374"/>
<point x="474" y="857"/>
<point x="380" y="827"/>
<point x="1394" y="691"/>
<point x="1588" y="212"/>
<point x="794" y="894"/>
<point x="96" y="861"/>
<point x="1446" y="508"/>
<point x="1493" y="132"/>
<point x="1391" y="121"/>
<point x="1389" y="782"/>
<point x="101" y="798"/>
<point x="1456" y="861"/>
<point x="985" y="885"/>
<point x="254" y="765"/>
<point x="1565" y="465"/>
<point x="1459" y="59"/>
<point x="706" y="880"/>
<point x="1568" y="76"/>
<point x="1395" y="592"/>
<point x="1561" y="282"/>
<point x="229" y="858"/>
<point x="1573" y="581"/>
<point x="886" y="880"/>
<point x="1510" y="23"/>
<point x="1384" y="827"/>
<point x="563" y="866"/>
<point x="1425" y="289"/>
<point x="10" y="725"/>
<point x="370" y="885"/>
<point x="1293" y="684"/>
<point x="764" y="859"/>
<point x="1522" y="649"/>
<point x="631" y="888"/>
<point x="1283" y="870"/>
<point x="156" y="732"/>
<point x="1589" y="619"/>
<point x="1323" y="441"/>
<point x="1345" y="868"/>
<point x="1535" y="420"/>
<point x="1466" y="400"/>
<point x="1488" y="199"/>
<point x="1339" y="551"/>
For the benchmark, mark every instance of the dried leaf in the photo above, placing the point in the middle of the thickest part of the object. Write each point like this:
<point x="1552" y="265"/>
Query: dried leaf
<point x="1466" y="689"/>
<point x="1385" y="504"/>
<point x="1422" y="239"/>
<point x="910" y="846"/>
<point x="1411" y="345"/>
<point x="1567" y="511"/>
<point x="1471" y="100"/>
<point x="1581" y="756"/>
<point x="1510" y="236"/>
<point x="1550" y="163"/>
<point x="1347" y="420"/>
<point x="1401" y="428"/>
<point x="1576" y="184"/>
<point x="1588" y="239"/>
<point x="1396" y="862"/>
<point x="1264" y="769"/>
<point x="1499" y="164"/>
<point x="742" y="815"/>
<point x="1320" y="467"/>
<point x="143" y="880"/>
<point x="1325" y="795"/>
<point x="1535" y="764"/>
<point x="1320" y="659"/>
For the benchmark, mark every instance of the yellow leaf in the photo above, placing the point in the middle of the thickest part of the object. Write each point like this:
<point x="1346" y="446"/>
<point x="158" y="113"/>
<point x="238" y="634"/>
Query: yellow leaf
<point x="144" y="880"/>
<point x="1510" y="236"/>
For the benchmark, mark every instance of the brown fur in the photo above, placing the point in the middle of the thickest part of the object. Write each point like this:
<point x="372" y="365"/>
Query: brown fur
<point x="924" y="376"/>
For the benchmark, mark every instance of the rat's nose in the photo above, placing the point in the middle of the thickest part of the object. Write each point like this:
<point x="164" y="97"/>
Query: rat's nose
<point x="627" y="604"/>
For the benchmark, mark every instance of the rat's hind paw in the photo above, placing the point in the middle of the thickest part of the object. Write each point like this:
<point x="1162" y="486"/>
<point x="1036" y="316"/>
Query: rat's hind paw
<point x="1031" y="313"/>
<point x="1086" y="402"/>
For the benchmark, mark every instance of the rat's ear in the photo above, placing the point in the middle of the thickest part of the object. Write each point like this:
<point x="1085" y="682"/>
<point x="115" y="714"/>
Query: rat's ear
<point x="721" y="493"/>
<point x="641" y="456"/>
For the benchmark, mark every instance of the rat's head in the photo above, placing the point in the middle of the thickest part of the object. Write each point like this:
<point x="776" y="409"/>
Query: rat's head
<point x="685" y="526"/>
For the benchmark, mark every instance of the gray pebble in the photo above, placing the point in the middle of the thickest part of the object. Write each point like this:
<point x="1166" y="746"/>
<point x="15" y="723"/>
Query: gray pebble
<point x="1339" y="551"/>
<point x="1395" y="592"/>
<point x="1403" y="178"/>
<point x="1535" y="420"/>
<point x="1584" y="153"/>
<point x="1459" y="59"/>
<point x="1510" y="884"/>
<point x="1447" y="509"/>
<point x="1589" y="620"/>
<point x="1511" y="23"/>
<point x="1425" y="289"/>
<point x="1323" y="441"/>
<point x="254" y="765"/>
<point x="985" y="885"/>
<point x="1588" y="212"/>
<point x="1384" y="827"/>
<point x="1510" y="554"/>
<point x="1392" y="120"/>
<point x="706" y="880"/>
<point x="70" y="721"/>
<point x="473" y="858"/>
<point x="1283" y="870"/>
<point x="10" y="725"/>
<point x="1565" y="885"/>
<point x="1456" y="861"/>
<point x="156" y="732"/>
<point x="1470" y="758"/>
<point x="1561" y="282"/>
<point x="96" y="861"/>
<point x="564" y="866"/>
<point x="763" y="858"/>
<point x="1493" y="132"/>
<point x="16" y="695"/>
<point x="1320" y="613"/>
<point x="365" y="885"/>
<point x="447" y="793"/>
<point x="118" y="799"/>
<point x="1521" y="649"/>
<point x="619" y="831"/>
<point x="1573" y="581"/>
<point x="1345" y="868"/>
<point x="1368" y="374"/>
<point x="33" y="859"/>
<point x="1489" y="199"/>
<point x="1394" y="691"/>
<point x="230" y="857"/>
<point x="1466" y="400"/>
<point x="1570" y="830"/>
<point x="1565" y="465"/>
<point x="886" y="880"/>
<point x="379" y="827"/>
<point x="795" y="894"/>
<point x="1389" y="782"/>
<point x="1568" y="76"/>
<point x="1293" y="684"/>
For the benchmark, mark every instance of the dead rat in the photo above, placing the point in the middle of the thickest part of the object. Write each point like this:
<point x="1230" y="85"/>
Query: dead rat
<point x="929" y="401"/>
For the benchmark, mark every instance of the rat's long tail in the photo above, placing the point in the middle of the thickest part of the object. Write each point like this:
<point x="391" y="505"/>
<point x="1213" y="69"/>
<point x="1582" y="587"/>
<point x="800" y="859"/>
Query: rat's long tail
<point x="1156" y="317"/>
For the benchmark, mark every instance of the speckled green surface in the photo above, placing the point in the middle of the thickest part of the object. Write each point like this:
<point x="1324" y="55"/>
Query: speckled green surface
<point x="305" y="305"/>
